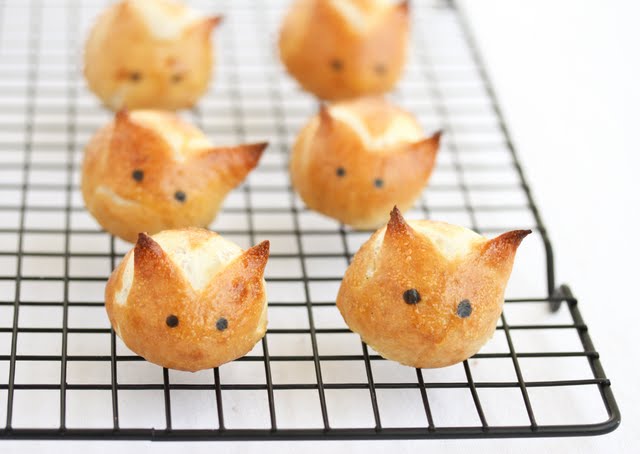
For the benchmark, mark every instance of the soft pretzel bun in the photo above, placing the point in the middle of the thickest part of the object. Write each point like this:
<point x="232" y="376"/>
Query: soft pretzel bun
<point x="149" y="54"/>
<point x="427" y="294"/>
<point x="340" y="49"/>
<point x="356" y="159"/>
<point x="149" y="171"/>
<point x="188" y="299"/>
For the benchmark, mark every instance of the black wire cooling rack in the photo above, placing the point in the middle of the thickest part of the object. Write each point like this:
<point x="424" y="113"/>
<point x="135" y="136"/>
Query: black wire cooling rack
<point x="64" y="374"/>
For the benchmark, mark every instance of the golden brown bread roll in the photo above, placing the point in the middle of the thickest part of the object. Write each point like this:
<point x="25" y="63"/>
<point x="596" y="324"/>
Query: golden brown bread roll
<point x="144" y="54"/>
<point x="357" y="159"/>
<point x="149" y="171"/>
<point x="189" y="299"/>
<point x="339" y="49"/>
<point x="427" y="294"/>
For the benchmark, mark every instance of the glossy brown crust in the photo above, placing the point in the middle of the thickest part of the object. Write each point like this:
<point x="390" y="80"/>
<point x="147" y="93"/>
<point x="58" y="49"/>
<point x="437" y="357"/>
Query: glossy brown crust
<point x="125" y="207"/>
<point x="333" y="58"/>
<point x="354" y="199"/>
<point x="172" y="73"/>
<point x="430" y="333"/>
<point x="160" y="289"/>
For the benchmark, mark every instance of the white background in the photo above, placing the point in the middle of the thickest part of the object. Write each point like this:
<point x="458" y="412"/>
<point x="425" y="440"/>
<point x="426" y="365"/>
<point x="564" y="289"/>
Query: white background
<point x="566" y="74"/>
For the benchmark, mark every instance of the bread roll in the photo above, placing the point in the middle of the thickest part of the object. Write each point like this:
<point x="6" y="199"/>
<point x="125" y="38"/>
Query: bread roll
<point x="339" y="49"/>
<point x="189" y="299"/>
<point x="427" y="294"/>
<point x="149" y="171"/>
<point x="355" y="160"/>
<point x="144" y="54"/>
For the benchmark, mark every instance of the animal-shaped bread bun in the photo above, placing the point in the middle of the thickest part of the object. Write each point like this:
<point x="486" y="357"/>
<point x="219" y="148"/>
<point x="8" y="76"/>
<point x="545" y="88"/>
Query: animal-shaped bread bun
<point x="339" y="49"/>
<point x="189" y="299"/>
<point x="149" y="54"/>
<point x="356" y="159"/>
<point x="149" y="171"/>
<point x="427" y="294"/>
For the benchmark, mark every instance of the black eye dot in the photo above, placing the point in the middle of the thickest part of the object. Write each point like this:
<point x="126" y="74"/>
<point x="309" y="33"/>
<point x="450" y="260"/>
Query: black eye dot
<point x="464" y="308"/>
<point x="340" y="171"/>
<point x="378" y="183"/>
<point x="336" y="64"/>
<point x="172" y="321"/>
<point x="180" y="196"/>
<point x="411" y="296"/>
<point x="135" y="76"/>
<point x="176" y="78"/>
<point x="380" y="69"/>
<point x="137" y="175"/>
<point x="222" y="324"/>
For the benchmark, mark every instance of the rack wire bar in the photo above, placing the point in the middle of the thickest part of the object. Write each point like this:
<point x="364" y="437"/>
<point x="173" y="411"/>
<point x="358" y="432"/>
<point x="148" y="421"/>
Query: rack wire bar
<point x="64" y="374"/>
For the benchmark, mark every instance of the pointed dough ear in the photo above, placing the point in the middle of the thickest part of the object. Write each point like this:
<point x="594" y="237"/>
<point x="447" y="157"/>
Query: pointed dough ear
<point x="155" y="276"/>
<point x="240" y="282"/>
<point x="255" y="258"/>
<point x="122" y="121"/>
<point x="326" y="121"/>
<point x="396" y="15"/>
<point x="403" y="7"/>
<point x="337" y="129"/>
<point x="406" y="259"/>
<point x="399" y="236"/>
<point x="231" y="164"/>
<point x="502" y="249"/>
<point x="397" y="228"/>
<point x="431" y="143"/>
<point x="150" y="261"/>
<point x="129" y="21"/>
<point x="124" y="11"/>
<point x="339" y="15"/>
<point x="204" y="27"/>
<point x="129" y="140"/>
<point x="422" y="154"/>
<point x="213" y="21"/>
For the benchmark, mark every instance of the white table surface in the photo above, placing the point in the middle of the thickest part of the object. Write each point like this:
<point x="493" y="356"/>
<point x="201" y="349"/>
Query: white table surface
<point x="566" y="74"/>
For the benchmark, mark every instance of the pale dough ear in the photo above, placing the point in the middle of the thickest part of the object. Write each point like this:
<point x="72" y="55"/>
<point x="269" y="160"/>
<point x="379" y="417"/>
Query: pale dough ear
<point x="502" y="249"/>
<point x="155" y="276"/>
<point x="231" y="164"/>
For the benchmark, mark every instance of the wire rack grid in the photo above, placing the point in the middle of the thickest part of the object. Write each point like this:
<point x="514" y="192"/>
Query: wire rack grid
<point x="63" y="372"/>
